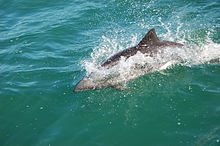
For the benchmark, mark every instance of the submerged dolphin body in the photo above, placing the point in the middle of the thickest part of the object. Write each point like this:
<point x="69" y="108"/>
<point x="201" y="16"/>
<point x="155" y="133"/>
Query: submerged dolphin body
<point x="149" y="46"/>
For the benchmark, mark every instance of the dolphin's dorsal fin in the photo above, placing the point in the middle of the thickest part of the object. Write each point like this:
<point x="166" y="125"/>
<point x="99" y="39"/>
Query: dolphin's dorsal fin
<point x="149" y="38"/>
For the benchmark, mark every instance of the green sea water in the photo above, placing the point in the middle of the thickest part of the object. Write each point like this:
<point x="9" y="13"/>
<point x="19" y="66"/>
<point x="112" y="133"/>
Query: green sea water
<point x="47" y="46"/>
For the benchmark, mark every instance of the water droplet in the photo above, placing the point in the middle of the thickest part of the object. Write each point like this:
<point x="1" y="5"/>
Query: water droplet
<point x="190" y="88"/>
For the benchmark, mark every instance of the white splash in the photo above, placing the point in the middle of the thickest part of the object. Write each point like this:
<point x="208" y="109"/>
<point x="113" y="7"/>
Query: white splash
<point x="139" y="64"/>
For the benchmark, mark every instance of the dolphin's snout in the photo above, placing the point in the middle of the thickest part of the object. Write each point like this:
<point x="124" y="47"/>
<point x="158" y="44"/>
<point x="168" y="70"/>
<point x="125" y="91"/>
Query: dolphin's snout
<point x="84" y="84"/>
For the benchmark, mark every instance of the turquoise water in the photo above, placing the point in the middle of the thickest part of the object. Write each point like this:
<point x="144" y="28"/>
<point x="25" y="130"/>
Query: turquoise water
<point x="47" y="46"/>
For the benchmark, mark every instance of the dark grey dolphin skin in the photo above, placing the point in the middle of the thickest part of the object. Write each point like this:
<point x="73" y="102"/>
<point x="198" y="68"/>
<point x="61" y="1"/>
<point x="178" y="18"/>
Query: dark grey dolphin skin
<point x="149" y="45"/>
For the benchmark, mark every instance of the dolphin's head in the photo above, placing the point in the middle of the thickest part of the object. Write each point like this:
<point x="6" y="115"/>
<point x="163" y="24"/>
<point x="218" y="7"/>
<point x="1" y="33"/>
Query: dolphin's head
<point x="85" y="84"/>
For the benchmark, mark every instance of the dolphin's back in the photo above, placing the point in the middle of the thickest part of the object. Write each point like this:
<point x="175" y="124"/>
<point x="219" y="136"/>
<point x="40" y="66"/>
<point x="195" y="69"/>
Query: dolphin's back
<point x="115" y="58"/>
<point x="148" y="45"/>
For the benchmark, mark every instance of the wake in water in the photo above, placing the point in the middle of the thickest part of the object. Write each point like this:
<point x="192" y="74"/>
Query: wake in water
<point x="127" y="69"/>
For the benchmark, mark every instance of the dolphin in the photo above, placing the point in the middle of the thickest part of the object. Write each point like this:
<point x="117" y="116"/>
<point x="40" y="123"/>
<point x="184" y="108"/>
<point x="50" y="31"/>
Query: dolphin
<point x="150" y="45"/>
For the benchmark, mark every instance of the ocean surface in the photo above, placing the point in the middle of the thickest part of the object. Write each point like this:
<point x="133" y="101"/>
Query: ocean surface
<point x="47" y="46"/>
